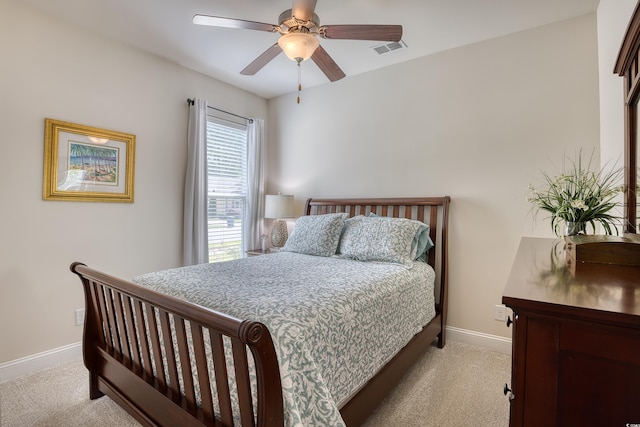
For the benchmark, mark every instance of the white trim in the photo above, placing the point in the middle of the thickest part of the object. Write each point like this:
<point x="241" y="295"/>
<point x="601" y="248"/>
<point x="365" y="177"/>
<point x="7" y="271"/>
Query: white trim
<point x="46" y="359"/>
<point x="491" y="342"/>
<point x="37" y="362"/>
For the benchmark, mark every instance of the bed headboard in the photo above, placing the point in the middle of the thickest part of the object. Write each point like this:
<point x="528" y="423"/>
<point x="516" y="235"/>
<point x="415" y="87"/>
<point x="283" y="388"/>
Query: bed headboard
<point x="433" y="211"/>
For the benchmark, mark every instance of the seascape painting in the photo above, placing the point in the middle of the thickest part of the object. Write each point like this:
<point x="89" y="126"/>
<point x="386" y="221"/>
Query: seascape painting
<point x="93" y="164"/>
<point x="87" y="164"/>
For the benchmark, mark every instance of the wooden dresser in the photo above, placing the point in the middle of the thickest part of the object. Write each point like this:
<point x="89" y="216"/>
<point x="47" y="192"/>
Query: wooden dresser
<point x="576" y="340"/>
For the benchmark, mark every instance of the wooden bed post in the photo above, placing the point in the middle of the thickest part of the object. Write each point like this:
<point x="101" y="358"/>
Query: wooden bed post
<point x="90" y="334"/>
<point x="444" y="279"/>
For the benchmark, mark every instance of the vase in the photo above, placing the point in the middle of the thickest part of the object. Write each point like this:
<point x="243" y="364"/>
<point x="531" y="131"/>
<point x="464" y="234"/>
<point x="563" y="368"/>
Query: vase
<point x="279" y="234"/>
<point x="574" y="228"/>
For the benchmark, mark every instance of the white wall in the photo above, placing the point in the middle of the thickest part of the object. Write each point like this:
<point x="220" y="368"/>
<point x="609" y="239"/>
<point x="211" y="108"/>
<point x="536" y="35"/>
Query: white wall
<point x="51" y="69"/>
<point x="478" y="123"/>
<point x="613" y="19"/>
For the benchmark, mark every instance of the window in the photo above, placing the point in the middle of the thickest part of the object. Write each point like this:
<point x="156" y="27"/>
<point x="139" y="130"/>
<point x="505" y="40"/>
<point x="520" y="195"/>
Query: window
<point x="227" y="187"/>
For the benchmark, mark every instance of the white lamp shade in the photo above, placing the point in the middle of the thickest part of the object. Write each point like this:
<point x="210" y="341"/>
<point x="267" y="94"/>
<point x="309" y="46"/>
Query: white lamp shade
<point x="278" y="206"/>
<point x="298" y="46"/>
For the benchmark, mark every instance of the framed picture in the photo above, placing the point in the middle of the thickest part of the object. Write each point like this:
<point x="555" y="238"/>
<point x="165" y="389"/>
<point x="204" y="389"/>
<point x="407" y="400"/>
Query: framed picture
<point x="87" y="164"/>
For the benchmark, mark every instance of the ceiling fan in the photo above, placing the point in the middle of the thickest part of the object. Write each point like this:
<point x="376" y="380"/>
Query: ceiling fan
<point x="300" y="28"/>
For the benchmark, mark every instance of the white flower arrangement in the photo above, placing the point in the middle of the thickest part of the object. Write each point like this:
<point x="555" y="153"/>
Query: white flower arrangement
<point x="579" y="195"/>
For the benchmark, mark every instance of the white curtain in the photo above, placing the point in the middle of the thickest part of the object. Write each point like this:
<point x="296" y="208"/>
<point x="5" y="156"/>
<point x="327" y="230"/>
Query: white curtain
<point x="253" y="222"/>
<point x="195" y="241"/>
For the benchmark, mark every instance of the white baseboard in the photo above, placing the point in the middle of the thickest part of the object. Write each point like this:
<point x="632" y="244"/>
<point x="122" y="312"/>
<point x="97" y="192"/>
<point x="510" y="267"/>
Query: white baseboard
<point x="37" y="362"/>
<point x="46" y="359"/>
<point x="491" y="342"/>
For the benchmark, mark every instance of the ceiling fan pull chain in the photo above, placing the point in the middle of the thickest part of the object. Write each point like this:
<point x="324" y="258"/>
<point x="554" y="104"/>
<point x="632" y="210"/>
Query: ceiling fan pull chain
<point x="299" y="80"/>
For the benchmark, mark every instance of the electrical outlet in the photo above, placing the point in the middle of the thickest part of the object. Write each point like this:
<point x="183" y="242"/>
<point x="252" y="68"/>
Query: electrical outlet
<point x="79" y="316"/>
<point x="500" y="313"/>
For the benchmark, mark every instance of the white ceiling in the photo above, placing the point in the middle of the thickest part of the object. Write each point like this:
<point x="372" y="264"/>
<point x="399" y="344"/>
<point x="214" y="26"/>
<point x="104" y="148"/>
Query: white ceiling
<point x="164" y="27"/>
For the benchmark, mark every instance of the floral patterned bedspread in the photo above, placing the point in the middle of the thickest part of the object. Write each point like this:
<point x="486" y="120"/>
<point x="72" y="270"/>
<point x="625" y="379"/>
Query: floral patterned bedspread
<point x="334" y="321"/>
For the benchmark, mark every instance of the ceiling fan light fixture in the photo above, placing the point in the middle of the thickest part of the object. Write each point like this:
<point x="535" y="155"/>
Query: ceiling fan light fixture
<point x="298" y="46"/>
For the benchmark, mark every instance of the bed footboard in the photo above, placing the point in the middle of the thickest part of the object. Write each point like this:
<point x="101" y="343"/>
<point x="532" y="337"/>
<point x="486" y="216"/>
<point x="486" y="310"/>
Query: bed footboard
<point x="161" y="358"/>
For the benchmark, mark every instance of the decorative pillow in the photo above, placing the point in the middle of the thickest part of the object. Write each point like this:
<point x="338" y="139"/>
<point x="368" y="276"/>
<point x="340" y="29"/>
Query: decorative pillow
<point x="422" y="241"/>
<point x="375" y="238"/>
<point x="316" y="234"/>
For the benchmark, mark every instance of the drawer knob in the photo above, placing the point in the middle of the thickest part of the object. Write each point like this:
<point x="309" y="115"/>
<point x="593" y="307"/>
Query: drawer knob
<point x="509" y="322"/>
<point x="507" y="390"/>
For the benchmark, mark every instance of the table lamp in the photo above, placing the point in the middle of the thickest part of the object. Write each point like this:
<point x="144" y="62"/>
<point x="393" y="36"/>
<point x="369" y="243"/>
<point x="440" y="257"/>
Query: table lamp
<point x="278" y="207"/>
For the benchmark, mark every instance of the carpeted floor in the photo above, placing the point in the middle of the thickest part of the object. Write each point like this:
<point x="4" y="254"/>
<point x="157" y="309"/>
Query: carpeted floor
<point x="460" y="385"/>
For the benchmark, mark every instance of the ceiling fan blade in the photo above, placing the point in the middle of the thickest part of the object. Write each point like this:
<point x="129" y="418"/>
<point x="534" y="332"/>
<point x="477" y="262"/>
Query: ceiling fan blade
<point x="303" y="9"/>
<point x="327" y="64"/>
<point x="391" y="33"/>
<point x="218" y="21"/>
<point x="262" y="60"/>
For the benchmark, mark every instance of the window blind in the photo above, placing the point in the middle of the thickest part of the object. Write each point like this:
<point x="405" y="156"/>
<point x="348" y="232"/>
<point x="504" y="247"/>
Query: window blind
<point x="227" y="187"/>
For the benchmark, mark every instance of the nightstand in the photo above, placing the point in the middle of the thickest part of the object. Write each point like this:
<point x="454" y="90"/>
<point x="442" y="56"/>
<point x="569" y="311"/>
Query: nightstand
<point x="256" y="252"/>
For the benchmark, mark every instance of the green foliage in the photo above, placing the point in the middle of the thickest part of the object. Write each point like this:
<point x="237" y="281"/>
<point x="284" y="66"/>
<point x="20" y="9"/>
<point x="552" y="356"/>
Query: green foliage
<point x="579" y="194"/>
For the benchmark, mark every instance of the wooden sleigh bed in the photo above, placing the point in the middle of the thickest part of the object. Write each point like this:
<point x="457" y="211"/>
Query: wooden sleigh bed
<point x="125" y="323"/>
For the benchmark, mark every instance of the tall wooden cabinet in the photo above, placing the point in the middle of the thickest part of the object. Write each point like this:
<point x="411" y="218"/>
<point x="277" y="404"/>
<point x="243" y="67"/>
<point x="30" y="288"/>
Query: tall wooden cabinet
<point x="576" y="340"/>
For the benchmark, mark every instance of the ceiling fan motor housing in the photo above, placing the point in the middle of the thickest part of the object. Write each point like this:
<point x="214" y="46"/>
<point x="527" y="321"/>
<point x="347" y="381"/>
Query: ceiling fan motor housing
<point x="289" y="23"/>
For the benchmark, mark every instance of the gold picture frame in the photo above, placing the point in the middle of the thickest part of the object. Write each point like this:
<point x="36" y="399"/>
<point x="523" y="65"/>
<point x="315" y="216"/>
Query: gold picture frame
<point x="87" y="164"/>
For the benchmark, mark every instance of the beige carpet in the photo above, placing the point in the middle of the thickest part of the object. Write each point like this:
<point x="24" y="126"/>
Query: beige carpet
<point x="460" y="385"/>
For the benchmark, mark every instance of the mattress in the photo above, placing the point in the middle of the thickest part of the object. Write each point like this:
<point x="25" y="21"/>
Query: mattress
<point x="334" y="322"/>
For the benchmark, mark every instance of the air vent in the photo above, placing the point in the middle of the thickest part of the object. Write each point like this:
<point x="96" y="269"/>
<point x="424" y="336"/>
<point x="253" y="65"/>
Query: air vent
<point x="388" y="47"/>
